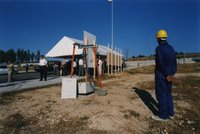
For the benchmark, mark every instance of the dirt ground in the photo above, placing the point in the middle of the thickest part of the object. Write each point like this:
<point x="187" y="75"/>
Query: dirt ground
<point x="126" y="108"/>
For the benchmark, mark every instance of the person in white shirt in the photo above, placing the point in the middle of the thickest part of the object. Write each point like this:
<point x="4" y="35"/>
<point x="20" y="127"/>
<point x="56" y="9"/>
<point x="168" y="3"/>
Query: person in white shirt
<point x="80" y="62"/>
<point x="74" y="65"/>
<point x="43" y="68"/>
<point x="63" y="67"/>
<point x="100" y="66"/>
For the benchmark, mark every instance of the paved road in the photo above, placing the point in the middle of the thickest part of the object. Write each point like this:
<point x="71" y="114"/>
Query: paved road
<point x="31" y="84"/>
<point x="23" y="76"/>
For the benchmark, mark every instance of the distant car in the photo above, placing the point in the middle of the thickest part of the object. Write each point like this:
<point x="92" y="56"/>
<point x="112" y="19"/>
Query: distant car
<point x="196" y="59"/>
<point x="4" y="69"/>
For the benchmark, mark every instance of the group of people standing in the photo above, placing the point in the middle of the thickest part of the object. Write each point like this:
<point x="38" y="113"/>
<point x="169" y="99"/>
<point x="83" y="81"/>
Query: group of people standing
<point x="64" y="69"/>
<point x="78" y="67"/>
<point x="42" y="69"/>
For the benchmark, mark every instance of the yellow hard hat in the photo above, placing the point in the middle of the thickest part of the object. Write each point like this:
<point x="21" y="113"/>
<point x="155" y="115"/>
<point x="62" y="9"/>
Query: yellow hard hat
<point x="162" y="34"/>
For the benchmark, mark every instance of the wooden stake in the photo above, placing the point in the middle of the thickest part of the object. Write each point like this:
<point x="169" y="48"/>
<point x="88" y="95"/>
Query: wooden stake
<point x="72" y="68"/>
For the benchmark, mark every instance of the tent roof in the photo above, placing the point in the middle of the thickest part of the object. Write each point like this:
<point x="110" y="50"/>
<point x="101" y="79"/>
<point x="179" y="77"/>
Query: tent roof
<point x="65" y="48"/>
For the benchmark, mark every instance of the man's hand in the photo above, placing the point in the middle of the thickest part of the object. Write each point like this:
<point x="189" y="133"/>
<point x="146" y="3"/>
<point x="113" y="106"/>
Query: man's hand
<point x="170" y="78"/>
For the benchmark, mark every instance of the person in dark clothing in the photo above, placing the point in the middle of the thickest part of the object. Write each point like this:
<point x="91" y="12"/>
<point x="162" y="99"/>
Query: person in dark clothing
<point x="165" y="70"/>
<point x="27" y="67"/>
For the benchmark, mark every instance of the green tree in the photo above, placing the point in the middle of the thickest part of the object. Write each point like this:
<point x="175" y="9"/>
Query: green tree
<point x="37" y="56"/>
<point x="141" y="56"/>
<point x="28" y="55"/>
<point x="32" y="56"/>
<point x="19" y="55"/>
<point x="11" y="55"/>
<point x="2" y="56"/>
<point x="25" y="56"/>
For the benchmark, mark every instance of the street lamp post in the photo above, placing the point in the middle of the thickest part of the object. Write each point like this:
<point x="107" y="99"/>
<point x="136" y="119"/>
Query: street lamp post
<point x="112" y="41"/>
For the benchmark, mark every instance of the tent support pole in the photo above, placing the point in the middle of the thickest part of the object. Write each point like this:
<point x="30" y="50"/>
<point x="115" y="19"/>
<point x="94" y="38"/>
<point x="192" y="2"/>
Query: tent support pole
<point x="72" y="68"/>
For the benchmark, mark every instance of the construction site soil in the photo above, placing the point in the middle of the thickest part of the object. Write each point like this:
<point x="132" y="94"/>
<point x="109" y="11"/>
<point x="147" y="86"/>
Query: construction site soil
<point x="127" y="107"/>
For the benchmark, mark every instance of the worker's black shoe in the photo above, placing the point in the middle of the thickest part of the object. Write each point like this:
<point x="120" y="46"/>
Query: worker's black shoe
<point x="156" y="118"/>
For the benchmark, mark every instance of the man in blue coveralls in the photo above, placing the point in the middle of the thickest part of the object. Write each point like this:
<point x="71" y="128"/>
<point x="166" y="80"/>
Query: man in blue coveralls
<point x="164" y="73"/>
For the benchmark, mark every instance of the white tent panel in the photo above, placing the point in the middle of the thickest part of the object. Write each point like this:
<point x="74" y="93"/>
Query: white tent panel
<point x="103" y="50"/>
<point x="64" y="48"/>
<point x="91" y="37"/>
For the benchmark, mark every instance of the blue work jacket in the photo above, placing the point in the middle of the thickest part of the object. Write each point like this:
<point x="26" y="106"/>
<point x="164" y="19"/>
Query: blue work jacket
<point x="166" y="60"/>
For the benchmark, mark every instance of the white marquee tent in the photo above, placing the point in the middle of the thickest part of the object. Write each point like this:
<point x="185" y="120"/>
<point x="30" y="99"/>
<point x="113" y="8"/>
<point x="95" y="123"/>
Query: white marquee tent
<point x="65" y="48"/>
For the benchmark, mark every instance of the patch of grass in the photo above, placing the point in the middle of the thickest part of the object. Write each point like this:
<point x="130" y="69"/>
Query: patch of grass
<point x="7" y="98"/>
<point x="15" y="123"/>
<point x="150" y="85"/>
<point x="181" y="68"/>
<point x="84" y="118"/>
<point x="72" y="125"/>
<point x="142" y="70"/>
<point x="188" y="68"/>
<point x="133" y="113"/>
<point x="90" y="102"/>
<point x="134" y="97"/>
<point x="130" y="113"/>
<point x="51" y="101"/>
<point x="106" y="77"/>
<point x="188" y="88"/>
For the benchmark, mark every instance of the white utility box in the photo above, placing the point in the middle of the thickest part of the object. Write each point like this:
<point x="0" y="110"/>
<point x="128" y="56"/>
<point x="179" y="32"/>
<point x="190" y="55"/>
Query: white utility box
<point x="85" y="88"/>
<point x="69" y="88"/>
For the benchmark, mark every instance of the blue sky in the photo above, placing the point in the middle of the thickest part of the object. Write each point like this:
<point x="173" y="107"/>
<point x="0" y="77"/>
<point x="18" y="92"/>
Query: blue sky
<point x="40" y="24"/>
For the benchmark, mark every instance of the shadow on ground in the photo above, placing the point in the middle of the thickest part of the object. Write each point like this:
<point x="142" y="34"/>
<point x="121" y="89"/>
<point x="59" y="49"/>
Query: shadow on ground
<point x="147" y="99"/>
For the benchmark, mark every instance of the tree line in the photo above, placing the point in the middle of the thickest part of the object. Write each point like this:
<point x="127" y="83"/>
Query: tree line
<point x="19" y="56"/>
<point x="153" y="55"/>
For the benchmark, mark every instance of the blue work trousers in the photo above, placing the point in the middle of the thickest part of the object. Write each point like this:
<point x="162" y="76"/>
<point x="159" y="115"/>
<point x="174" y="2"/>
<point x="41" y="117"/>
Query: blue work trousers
<point x="163" y="96"/>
